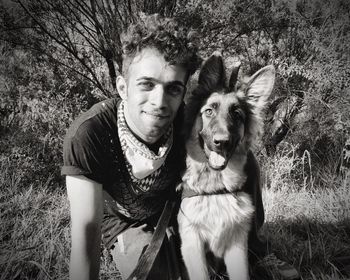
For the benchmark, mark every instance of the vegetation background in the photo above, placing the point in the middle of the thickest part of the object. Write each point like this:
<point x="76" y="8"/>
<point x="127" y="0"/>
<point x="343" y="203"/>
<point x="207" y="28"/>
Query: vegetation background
<point x="57" y="58"/>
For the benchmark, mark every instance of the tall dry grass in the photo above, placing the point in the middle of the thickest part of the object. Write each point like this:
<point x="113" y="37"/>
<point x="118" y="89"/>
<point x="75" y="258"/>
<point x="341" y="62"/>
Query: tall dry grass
<point x="35" y="231"/>
<point x="307" y="225"/>
<point x="307" y="215"/>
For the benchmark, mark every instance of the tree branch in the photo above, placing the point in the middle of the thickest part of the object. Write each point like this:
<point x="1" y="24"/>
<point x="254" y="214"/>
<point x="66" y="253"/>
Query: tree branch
<point x="71" y="51"/>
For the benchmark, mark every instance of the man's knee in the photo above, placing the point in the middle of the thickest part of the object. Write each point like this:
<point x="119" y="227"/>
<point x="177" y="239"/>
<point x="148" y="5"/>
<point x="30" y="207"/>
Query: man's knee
<point x="127" y="250"/>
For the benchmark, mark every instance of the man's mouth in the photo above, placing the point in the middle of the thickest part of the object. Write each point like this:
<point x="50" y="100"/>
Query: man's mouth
<point x="156" y="115"/>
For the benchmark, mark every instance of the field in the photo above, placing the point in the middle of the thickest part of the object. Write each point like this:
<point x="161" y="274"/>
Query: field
<point x="308" y="227"/>
<point x="58" y="58"/>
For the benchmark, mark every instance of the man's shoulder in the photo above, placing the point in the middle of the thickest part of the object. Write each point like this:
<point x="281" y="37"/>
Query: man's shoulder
<point x="102" y="116"/>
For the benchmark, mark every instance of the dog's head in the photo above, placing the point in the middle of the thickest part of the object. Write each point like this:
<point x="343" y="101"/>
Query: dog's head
<point x="223" y="118"/>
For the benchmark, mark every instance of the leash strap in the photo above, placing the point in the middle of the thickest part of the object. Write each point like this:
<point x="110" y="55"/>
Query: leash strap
<point x="148" y="257"/>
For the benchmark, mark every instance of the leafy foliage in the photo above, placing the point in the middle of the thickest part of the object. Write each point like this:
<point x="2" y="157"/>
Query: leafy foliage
<point x="307" y="43"/>
<point x="38" y="102"/>
<point x="57" y="58"/>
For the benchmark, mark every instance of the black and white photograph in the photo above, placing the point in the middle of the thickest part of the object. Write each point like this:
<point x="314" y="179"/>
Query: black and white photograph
<point x="174" y="139"/>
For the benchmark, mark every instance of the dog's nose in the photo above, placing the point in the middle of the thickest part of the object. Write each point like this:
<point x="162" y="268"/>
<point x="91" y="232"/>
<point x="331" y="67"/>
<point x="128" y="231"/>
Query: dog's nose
<point x="220" y="140"/>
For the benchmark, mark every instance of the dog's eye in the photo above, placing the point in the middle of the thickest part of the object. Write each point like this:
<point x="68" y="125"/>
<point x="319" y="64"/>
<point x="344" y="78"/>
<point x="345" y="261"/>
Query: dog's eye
<point x="208" y="112"/>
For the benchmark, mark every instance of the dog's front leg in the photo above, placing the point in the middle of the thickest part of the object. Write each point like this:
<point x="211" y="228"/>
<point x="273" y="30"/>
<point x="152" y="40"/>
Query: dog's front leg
<point x="236" y="259"/>
<point x="193" y="253"/>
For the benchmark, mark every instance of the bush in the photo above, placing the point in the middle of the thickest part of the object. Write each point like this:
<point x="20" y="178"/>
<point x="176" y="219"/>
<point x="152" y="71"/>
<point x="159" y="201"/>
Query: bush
<point x="38" y="105"/>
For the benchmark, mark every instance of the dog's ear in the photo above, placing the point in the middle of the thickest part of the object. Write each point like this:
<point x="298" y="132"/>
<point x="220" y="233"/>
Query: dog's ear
<point x="212" y="74"/>
<point x="234" y="76"/>
<point x="259" y="86"/>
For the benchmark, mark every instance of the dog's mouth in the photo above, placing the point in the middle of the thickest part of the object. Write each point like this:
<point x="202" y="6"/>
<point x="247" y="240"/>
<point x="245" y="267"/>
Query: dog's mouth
<point x="216" y="160"/>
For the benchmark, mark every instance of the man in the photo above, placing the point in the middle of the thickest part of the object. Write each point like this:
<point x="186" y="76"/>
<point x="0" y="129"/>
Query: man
<point x="123" y="157"/>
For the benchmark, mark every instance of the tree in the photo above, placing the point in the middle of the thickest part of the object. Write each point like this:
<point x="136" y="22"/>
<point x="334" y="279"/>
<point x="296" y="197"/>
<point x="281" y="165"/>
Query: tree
<point x="88" y="31"/>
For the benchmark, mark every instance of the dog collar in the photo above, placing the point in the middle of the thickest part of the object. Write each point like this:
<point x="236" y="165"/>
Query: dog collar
<point x="187" y="192"/>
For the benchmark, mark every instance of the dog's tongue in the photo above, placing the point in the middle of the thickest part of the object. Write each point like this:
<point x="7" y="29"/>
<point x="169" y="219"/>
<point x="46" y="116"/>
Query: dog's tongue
<point x="216" y="160"/>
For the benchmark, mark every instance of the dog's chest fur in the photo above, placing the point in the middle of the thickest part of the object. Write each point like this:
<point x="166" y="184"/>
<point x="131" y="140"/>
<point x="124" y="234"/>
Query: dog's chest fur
<point x="219" y="219"/>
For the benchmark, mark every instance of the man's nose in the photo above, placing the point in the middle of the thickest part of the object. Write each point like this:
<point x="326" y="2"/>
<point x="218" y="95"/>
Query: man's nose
<point x="158" y="96"/>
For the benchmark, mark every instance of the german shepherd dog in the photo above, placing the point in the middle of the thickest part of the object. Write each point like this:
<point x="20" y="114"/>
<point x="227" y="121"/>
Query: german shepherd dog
<point x="222" y="124"/>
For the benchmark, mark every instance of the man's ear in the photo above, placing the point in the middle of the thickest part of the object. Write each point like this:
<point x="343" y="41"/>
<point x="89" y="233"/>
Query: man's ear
<point x="212" y="74"/>
<point x="122" y="87"/>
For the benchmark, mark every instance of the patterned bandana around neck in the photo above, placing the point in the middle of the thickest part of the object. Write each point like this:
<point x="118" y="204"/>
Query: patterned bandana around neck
<point x="143" y="161"/>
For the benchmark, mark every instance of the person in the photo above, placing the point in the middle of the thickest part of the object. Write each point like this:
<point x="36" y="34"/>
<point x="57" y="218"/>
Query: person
<point x="123" y="157"/>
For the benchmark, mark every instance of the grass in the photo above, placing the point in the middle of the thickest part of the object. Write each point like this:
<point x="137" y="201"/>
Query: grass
<point x="34" y="230"/>
<point x="309" y="230"/>
<point x="307" y="224"/>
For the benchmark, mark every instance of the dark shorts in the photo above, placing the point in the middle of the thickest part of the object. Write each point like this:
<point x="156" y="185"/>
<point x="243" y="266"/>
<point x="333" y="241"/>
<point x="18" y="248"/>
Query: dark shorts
<point x="127" y="240"/>
<point x="133" y="242"/>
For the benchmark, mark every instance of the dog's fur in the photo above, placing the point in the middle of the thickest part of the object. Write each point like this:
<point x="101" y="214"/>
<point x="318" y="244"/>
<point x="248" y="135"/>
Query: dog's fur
<point x="222" y="125"/>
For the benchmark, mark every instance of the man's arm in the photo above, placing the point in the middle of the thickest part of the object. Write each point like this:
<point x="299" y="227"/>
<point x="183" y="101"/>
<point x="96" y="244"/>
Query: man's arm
<point x="86" y="210"/>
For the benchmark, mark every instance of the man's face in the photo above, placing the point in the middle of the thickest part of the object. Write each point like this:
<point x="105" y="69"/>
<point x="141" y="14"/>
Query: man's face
<point x="153" y="92"/>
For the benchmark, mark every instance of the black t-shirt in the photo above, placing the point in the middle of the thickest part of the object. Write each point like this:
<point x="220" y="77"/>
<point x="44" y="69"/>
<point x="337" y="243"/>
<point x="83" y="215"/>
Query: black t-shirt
<point x="92" y="148"/>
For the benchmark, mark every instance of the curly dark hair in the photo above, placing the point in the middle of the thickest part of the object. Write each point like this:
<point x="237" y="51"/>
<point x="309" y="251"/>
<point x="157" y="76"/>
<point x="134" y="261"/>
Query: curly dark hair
<point x="177" y="43"/>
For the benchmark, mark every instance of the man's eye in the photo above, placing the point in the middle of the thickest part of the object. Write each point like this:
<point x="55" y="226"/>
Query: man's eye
<point x="175" y="89"/>
<point x="146" y="85"/>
